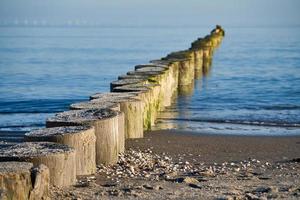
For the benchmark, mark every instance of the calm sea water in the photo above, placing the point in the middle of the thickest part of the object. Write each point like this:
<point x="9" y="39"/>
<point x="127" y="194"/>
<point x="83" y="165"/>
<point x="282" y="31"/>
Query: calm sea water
<point x="253" y="86"/>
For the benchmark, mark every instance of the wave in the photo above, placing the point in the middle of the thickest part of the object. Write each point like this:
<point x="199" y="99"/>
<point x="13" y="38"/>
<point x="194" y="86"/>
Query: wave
<point x="239" y="122"/>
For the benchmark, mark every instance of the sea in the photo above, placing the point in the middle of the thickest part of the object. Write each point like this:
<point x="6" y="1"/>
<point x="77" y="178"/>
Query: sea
<point x="252" y="87"/>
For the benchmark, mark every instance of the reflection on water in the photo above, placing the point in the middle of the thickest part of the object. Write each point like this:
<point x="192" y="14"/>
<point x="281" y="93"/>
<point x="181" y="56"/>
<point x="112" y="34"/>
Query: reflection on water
<point x="183" y="94"/>
<point x="207" y="68"/>
<point x="186" y="90"/>
<point x="250" y="88"/>
<point x="198" y="74"/>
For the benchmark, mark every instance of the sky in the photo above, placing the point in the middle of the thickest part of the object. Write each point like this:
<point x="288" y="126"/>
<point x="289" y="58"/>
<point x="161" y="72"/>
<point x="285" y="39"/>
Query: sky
<point x="152" y="12"/>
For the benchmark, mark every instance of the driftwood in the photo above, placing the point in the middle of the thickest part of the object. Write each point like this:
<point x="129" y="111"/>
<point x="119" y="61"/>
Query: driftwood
<point x="59" y="158"/>
<point x="106" y="123"/>
<point x="21" y="181"/>
<point x="81" y="138"/>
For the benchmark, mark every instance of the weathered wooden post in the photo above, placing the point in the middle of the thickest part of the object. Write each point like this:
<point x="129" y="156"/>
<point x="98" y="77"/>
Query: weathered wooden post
<point x="105" y="121"/>
<point x="81" y="138"/>
<point x="206" y="46"/>
<point x="132" y="109"/>
<point x="187" y="65"/>
<point x="198" y="59"/>
<point x="107" y="96"/>
<point x="119" y="83"/>
<point x="59" y="158"/>
<point x="163" y="78"/>
<point x="148" y="94"/>
<point x="174" y="71"/>
<point x="199" y="73"/>
<point x="186" y="90"/>
<point x="90" y="105"/>
<point x="22" y="181"/>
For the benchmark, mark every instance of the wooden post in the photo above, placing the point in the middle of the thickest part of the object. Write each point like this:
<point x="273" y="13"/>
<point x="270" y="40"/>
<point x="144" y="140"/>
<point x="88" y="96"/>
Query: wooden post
<point x="122" y="82"/>
<point x="106" y="97"/>
<point x="135" y="76"/>
<point x="81" y="138"/>
<point x="164" y="79"/>
<point x="174" y="71"/>
<point x="198" y="74"/>
<point x="90" y="105"/>
<point x="21" y="181"/>
<point x="151" y="67"/>
<point x="198" y="59"/>
<point x="186" y="90"/>
<point x="133" y="111"/>
<point x="187" y="65"/>
<point x="206" y="46"/>
<point x="148" y="94"/>
<point x="105" y="121"/>
<point x="158" y="78"/>
<point x="59" y="158"/>
<point x="207" y="55"/>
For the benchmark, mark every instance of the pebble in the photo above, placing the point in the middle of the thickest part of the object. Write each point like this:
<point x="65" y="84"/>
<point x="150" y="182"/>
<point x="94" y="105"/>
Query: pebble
<point x="190" y="180"/>
<point x="250" y="196"/>
<point x="262" y="189"/>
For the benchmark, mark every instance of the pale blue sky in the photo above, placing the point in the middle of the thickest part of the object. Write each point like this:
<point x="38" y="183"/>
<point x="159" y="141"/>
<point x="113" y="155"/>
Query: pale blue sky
<point x="162" y="12"/>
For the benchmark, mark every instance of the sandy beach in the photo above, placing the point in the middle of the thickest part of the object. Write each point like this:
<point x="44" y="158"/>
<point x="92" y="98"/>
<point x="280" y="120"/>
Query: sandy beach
<point x="176" y="164"/>
<point x="218" y="148"/>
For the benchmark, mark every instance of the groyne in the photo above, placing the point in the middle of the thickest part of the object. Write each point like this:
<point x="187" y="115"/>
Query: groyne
<point x="94" y="132"/>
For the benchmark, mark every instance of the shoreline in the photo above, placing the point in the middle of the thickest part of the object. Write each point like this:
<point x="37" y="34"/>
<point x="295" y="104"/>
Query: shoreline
<point x="229" y="167"/>
<point x="224" y="147"/>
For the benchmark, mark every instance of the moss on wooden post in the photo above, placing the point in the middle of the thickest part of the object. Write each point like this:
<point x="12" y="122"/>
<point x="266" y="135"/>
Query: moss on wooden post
<point x="149" y="95"/>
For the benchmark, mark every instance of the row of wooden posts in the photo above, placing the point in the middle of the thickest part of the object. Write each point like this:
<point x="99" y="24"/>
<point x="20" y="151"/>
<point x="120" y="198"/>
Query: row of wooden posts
<point x="93" y="132"/>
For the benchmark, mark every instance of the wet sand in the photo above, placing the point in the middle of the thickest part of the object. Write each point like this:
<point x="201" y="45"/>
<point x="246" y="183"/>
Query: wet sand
<point x="218" y="148"/>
